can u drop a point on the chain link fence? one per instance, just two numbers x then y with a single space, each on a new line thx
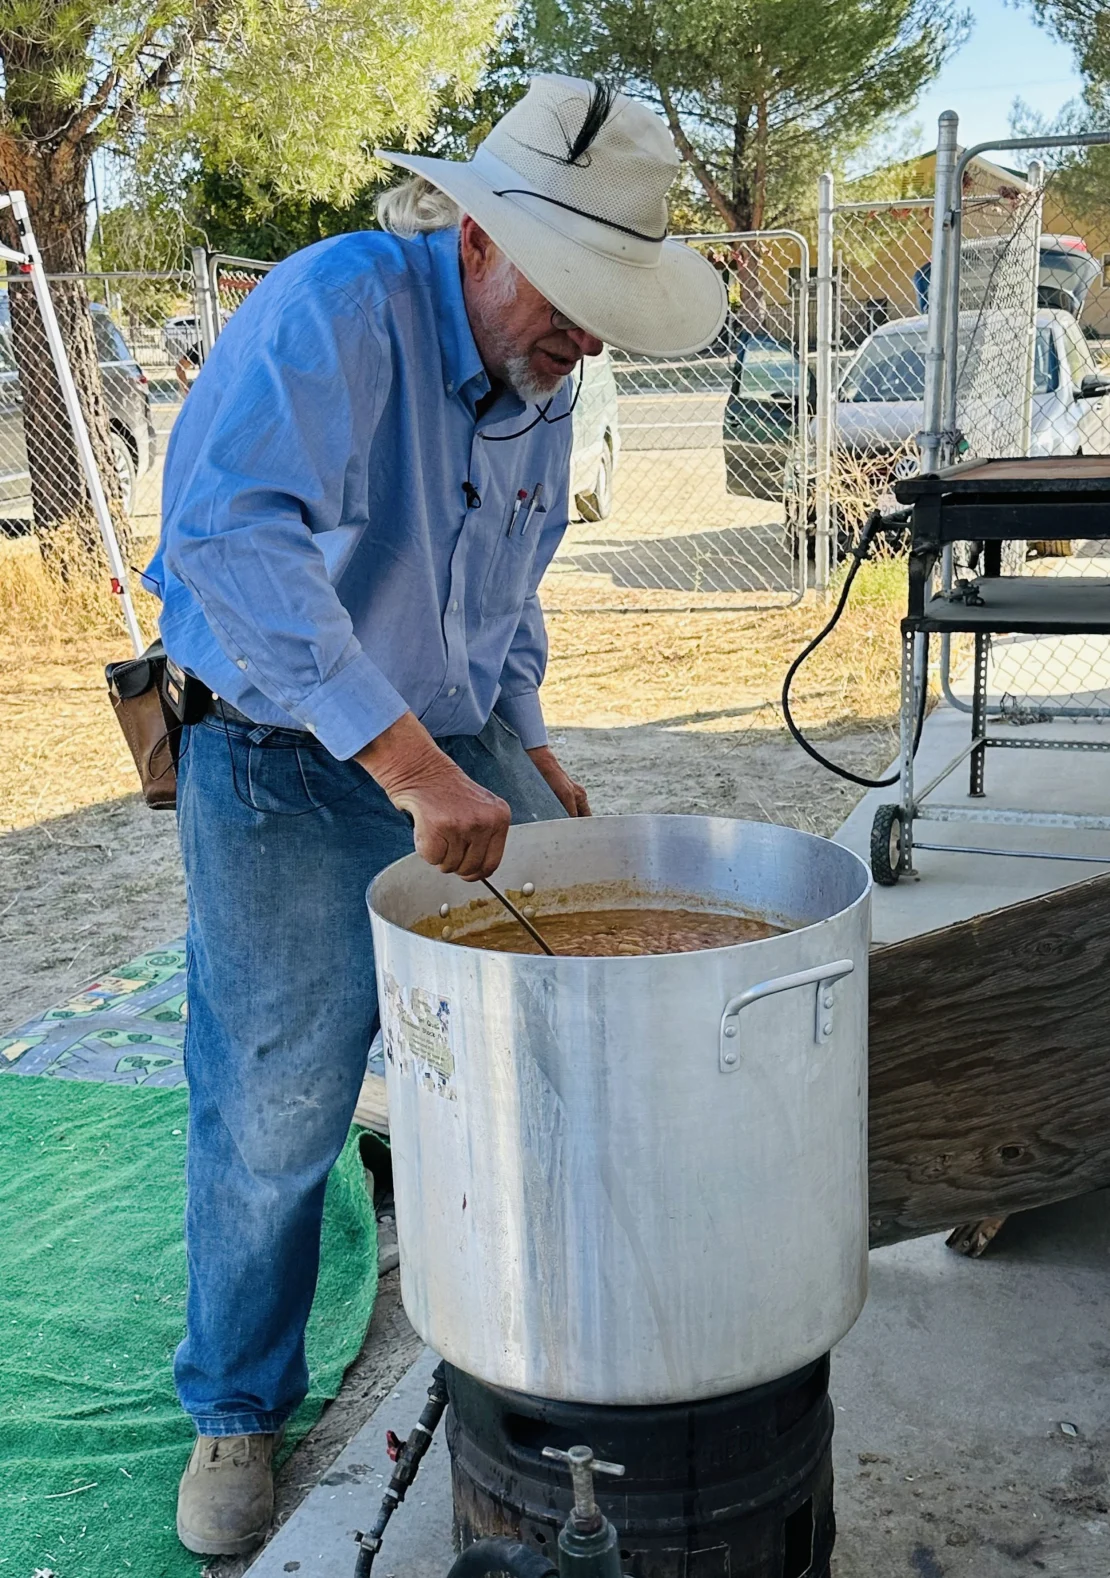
1060 408
880 285
694 484
143 326
684 470
229 281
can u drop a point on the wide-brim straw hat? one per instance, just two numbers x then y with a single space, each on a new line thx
572 186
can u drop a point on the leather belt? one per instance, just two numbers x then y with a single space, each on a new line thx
218 708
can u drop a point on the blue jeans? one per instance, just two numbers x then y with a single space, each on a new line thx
280 842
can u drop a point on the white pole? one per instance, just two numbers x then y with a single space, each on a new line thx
208 313
825 391
1035 178
941 269
76 416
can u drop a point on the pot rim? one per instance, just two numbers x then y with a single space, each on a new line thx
396 872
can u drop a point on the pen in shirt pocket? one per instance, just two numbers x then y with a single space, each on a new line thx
522 494
533 507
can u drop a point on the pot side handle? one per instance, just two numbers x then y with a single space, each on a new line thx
823 976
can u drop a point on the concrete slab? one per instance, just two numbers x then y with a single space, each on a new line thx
953 887
318 1540
951 1393
973 1397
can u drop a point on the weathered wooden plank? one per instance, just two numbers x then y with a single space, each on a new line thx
372 1111
990 1064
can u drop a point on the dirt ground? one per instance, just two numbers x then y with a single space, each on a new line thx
97 879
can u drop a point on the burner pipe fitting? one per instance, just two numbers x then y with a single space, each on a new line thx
409 1457
595 1554
501 1556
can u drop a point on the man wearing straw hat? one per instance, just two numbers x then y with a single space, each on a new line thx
361 496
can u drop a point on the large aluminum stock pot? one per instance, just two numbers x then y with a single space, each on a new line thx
643 1179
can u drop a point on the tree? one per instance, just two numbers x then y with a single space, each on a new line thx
238 211
1080 175
294 92
760 95
1084 25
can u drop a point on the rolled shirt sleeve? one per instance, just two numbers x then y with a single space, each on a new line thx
271 477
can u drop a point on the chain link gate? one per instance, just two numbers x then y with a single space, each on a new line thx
1036 679
684 470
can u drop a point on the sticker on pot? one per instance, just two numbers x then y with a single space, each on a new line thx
416 1034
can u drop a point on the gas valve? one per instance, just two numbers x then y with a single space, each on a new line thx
588 1542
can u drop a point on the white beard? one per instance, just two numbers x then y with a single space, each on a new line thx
523 382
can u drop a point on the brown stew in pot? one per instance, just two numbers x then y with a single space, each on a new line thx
604 933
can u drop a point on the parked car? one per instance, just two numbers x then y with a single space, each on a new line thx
880 410
1066 271
596 442
761 416
126 394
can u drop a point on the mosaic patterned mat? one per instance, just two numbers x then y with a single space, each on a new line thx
125 1028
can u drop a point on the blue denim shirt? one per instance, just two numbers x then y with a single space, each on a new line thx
318 565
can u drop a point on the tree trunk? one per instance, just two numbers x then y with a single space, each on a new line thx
748 255
53 180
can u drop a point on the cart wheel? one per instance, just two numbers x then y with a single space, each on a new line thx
886 845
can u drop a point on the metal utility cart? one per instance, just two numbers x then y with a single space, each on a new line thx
990 502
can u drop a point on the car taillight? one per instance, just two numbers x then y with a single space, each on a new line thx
143 379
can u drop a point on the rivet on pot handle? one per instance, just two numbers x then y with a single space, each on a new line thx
823 976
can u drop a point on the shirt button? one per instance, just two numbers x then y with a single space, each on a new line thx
240 662
453 691
455 606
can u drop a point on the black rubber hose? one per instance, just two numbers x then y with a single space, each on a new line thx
859 554
501 1556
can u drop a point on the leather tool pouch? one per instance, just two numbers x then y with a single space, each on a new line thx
135 688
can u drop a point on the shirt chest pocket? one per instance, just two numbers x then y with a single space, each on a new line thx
510 568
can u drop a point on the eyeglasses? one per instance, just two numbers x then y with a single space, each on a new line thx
559 320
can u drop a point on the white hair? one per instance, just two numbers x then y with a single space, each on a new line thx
501 282
416 207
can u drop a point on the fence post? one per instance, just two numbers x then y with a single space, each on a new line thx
208 320
1035 177
825 389
17 202
940 273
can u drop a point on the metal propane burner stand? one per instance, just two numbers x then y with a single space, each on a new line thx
990 502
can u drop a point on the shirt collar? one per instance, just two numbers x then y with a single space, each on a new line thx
462 366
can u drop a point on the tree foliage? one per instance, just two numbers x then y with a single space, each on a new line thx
1084 25
234 208
1081 176
294 93
760 95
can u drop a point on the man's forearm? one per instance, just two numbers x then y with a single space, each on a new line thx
402 756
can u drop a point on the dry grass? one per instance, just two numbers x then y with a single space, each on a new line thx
60 746
61 749
705 669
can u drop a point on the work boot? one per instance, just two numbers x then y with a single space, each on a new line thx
226 1497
